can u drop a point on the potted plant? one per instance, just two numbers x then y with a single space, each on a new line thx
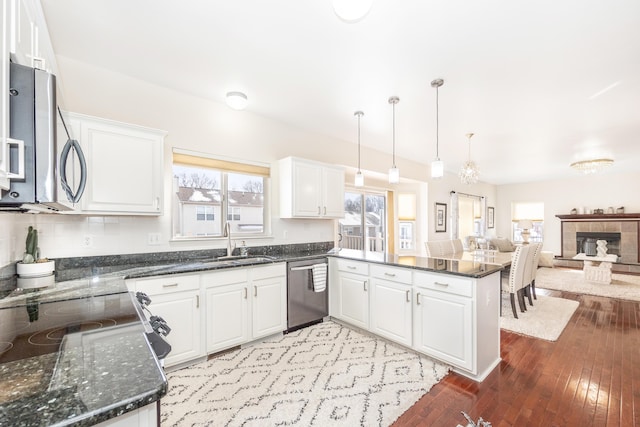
32 265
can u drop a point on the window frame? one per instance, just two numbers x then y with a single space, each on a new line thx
224 166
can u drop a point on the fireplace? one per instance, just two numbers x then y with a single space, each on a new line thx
585 242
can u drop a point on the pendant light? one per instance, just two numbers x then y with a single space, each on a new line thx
352 11
394 172
359 181
237 100
469 172
437 166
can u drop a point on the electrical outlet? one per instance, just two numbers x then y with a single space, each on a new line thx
87 241
153 238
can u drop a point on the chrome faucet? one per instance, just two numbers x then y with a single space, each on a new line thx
227 234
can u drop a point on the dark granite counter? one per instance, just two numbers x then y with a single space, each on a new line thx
74 354
474 269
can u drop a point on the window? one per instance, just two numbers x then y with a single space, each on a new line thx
523 213
406 220
205 188
233 214
406 235
204 213
364 230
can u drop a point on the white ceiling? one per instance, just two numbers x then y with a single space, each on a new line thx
541 84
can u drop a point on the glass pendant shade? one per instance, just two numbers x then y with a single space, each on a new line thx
394 175
359 181
469 172
437 169
237 100
352 11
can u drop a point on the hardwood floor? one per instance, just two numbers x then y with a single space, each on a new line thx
589 377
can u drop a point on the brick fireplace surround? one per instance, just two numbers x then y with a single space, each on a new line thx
628 225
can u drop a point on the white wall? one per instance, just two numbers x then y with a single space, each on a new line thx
560 196
192 123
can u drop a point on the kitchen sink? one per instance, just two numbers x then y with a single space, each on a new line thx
242 260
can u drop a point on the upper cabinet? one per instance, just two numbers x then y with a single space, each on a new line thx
310 189
124 164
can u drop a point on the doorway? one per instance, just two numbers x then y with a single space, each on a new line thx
364 229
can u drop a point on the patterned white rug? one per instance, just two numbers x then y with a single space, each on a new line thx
323 375
546 319
623 286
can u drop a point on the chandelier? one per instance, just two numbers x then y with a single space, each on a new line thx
591 166
469 172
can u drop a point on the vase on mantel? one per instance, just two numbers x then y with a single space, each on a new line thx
601 248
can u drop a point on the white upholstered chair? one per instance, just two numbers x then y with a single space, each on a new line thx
534 269
514 284
456 245
439 248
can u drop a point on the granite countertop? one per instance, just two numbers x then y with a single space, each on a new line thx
77 355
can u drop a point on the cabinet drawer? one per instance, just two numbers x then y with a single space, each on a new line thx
353 267
167 284
272 270
224 277
445 283
394 274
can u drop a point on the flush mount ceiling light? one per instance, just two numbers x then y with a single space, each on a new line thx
359 181
469 172
351 11
237 100
437 166
591 166
394 172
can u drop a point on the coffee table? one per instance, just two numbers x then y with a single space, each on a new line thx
597 269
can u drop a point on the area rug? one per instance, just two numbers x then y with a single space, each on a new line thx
623 286
323 375
545 319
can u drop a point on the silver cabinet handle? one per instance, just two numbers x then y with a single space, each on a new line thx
170 285
390 274
441 284
351 267
408 295
255 291
325 210
364 285
197 301
318 210
418 298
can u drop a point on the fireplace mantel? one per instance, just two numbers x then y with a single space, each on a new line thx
601 217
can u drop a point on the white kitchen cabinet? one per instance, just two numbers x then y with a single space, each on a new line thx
5 27
391 303
147 416
310 189
350 290
30 44
227 318
444 327
269 301
244 304
176 298
124 164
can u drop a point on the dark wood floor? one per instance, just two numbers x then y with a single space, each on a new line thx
589 377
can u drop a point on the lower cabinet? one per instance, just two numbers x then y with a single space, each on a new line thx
141 417
443 327
227 319
244 304
350 285
391 310
176 298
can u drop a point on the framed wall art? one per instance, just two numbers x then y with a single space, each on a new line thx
490 217
441 217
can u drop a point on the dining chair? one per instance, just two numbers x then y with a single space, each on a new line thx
515 282
528 273
534 270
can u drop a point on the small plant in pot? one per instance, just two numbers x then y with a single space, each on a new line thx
32 265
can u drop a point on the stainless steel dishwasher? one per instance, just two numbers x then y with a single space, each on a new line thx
305 306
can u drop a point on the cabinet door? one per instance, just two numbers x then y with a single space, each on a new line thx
124 164
227 316
269 306
353 299
307 189
181 310
391 311
333 192
443 327
23 33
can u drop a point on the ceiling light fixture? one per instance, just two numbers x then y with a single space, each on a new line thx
469 172
359 181
437 166
352 11
394 172
237 100
591 166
